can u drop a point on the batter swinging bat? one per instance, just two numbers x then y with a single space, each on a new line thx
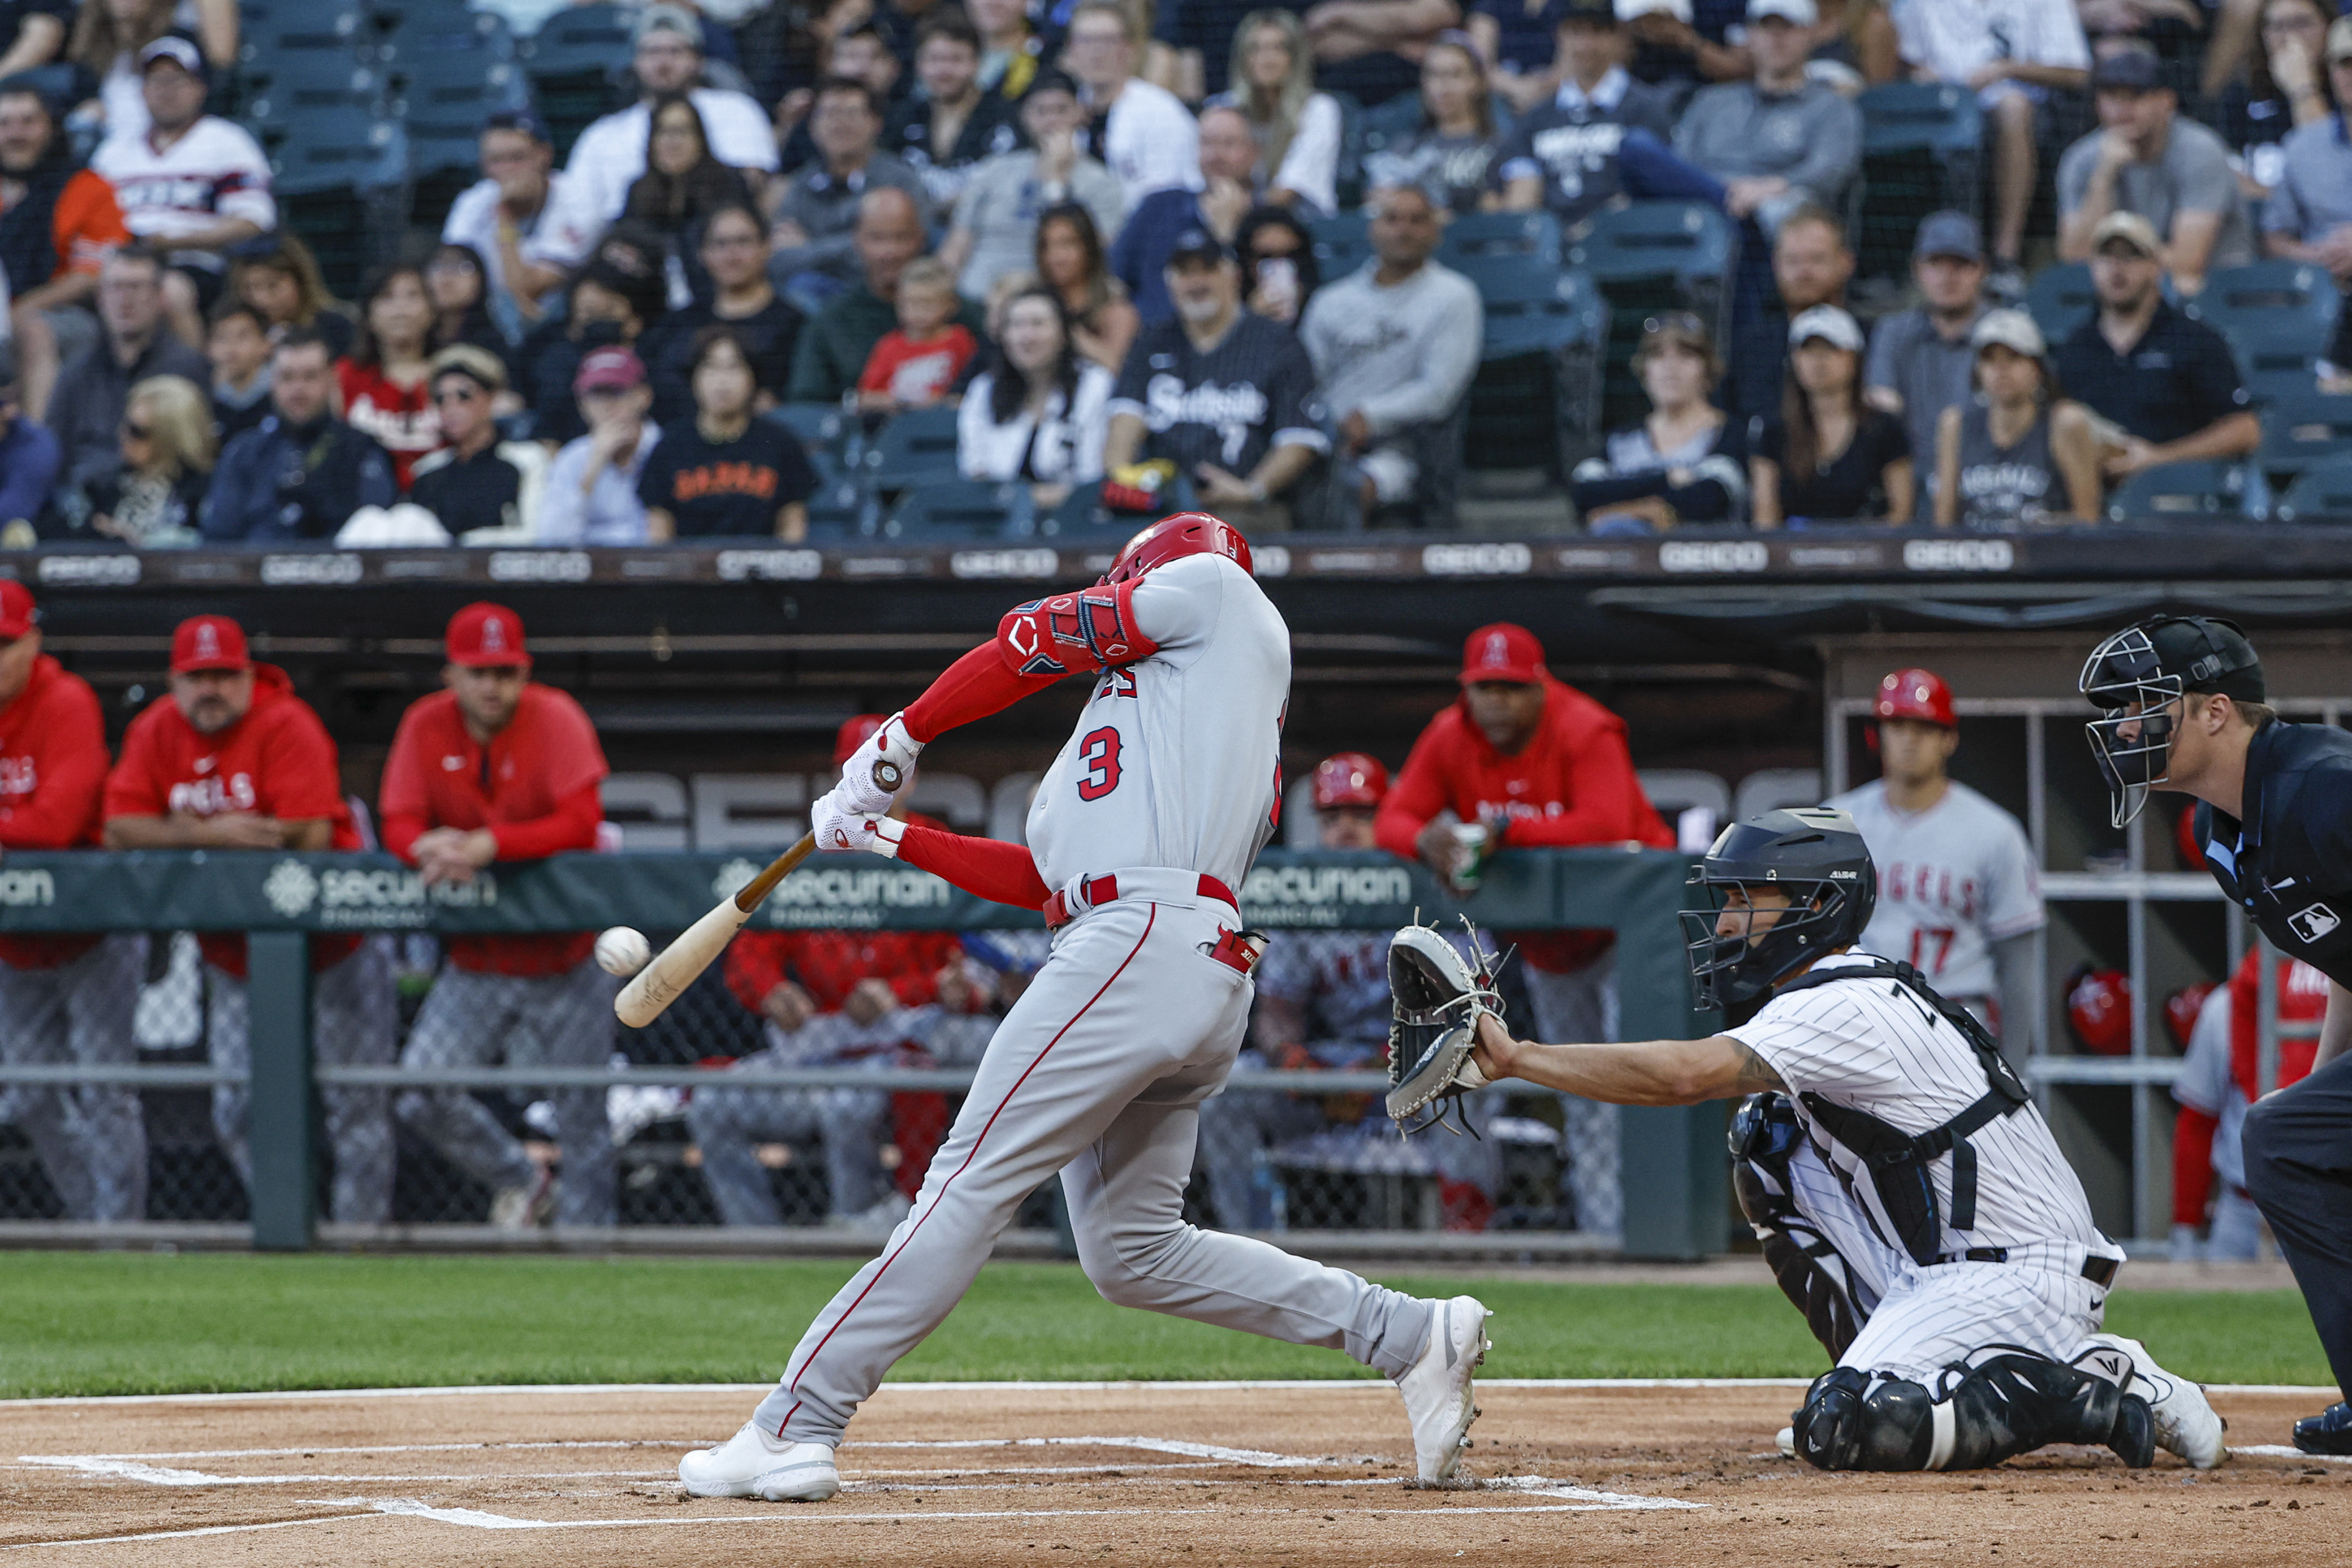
663 980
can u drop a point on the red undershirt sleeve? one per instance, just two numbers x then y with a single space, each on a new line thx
570 826
986 868
974 687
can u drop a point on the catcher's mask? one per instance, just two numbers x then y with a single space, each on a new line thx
2135 677
1741 946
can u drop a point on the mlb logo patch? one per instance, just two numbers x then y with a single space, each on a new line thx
2313 922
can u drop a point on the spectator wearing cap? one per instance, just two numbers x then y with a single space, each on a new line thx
592 486
838 339
1921 360
951 122
497 768
1524 760
1394 345
2147 158
474 481
994 229
1685 463
616 299
2013 54
133 344
1141 132
1223 396
65 999
58 220
230 758
505 215
611 154
1810 265
816 218
1828 456
302 472
1217 202
2014 455
192 184
2309 215
29 462
2167 383
1782 141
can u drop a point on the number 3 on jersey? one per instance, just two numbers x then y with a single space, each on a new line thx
1099 752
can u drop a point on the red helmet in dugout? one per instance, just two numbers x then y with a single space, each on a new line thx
1173 538
1350 779
1916 694
854 734
2098 1010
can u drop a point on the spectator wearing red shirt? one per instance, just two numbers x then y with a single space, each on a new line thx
232 760
64 999
1537 763
386 382
831 998
58 220
498 768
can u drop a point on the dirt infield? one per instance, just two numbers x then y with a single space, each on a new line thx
1187 1474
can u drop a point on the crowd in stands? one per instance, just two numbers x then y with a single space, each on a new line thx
1189 253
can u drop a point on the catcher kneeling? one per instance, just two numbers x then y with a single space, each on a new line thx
1910 1198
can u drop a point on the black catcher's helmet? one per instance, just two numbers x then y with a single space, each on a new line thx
1815 855
2134 676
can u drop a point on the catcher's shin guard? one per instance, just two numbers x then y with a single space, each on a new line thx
2006 1403
1764 1134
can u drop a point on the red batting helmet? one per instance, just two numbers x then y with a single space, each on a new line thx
854 734
1172 538
2098 1009
1350 779
2180 1011
1916 694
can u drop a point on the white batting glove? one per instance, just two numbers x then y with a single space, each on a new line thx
890 744
839 828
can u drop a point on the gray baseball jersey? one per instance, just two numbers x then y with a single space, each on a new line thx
1952 881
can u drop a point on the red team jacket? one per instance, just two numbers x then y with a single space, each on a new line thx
1572 784
277 761
2302 999
534 787
828 965
52 781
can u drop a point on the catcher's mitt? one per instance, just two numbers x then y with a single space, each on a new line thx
1437 998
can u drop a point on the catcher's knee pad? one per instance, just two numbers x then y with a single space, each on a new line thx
1856 1420
1765 1133
2007 1402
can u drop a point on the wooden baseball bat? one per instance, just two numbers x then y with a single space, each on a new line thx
666 976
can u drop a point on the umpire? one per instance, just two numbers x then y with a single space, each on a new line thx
2182 699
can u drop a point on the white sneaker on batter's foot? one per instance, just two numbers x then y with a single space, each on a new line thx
1438 1397
752 1464
2186 1424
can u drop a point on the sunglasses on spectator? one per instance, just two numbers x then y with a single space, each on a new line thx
138 432
457 394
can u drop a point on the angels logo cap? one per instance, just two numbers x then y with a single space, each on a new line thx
1502 652
484 636
209 643
17 614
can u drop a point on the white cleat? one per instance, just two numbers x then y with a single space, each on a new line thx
1438 1396
1786 1441
752 1464
2186 1424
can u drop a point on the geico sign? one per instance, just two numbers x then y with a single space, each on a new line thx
1959 555
1476 560
1713 555
19 888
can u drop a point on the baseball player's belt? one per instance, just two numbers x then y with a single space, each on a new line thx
2100 1272
1082 894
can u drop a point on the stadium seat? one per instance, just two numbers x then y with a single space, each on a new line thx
1538 384
916 447
2323 493
2200 492
2278 356
2281 296
2060 300
1341 244
574 62
2302 430
341 183
1920 153
826 433
1474 236
839 510
1081 511
276 33
1687 241
949 510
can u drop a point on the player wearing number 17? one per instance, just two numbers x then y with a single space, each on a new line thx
1140 830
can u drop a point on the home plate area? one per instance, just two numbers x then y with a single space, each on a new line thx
1018 1473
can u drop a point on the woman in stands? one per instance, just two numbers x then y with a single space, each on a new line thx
683 184
461 287
1450 152
1039 412
2286 86
724 473
1828 456
1681 465
2016 455
385 380
1272 79
1070 258
1278 270
166 441
278 276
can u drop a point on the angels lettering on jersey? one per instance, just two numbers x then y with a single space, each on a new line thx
18 779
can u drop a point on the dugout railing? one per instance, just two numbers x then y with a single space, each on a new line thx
1675 1191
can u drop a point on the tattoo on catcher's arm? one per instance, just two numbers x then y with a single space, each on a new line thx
1756 1074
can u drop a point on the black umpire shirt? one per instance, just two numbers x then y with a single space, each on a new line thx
2289 864
2177 380
1253 391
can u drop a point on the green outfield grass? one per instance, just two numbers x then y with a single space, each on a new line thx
118 1324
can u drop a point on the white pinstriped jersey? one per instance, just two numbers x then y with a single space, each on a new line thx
1175 761
1952 881
1875 1046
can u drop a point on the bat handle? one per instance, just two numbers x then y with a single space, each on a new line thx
886 777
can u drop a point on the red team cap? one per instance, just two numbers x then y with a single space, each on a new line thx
1502 652
486 636
854 734
1916 694
1350 779
209 643
1175 537
17 613
609 369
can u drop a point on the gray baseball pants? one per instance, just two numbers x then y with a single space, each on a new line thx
1097 1072
91 1138
729 1124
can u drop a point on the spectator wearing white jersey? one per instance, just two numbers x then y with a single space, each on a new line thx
191 184
1142 133
1958 894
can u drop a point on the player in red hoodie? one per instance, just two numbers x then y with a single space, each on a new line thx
1535 763
64 999
232 760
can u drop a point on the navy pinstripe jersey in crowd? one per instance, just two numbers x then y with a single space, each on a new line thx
1229 405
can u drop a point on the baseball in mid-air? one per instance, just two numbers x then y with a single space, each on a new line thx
623 950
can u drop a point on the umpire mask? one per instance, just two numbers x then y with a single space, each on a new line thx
2136 675
1739 948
